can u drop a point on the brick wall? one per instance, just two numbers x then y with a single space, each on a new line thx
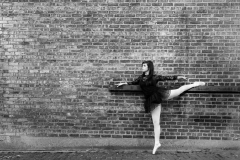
58 58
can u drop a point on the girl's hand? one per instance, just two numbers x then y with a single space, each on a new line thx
182 77
121 84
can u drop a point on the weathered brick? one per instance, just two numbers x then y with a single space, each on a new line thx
65 61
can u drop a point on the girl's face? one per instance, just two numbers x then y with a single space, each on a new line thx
144 67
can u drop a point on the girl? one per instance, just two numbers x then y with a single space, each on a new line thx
154 94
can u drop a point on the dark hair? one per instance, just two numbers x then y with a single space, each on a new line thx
151 72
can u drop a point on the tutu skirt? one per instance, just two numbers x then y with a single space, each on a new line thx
161 94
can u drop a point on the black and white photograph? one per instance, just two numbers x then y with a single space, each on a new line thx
119 79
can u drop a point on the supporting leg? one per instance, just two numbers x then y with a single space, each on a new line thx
177 92
156 123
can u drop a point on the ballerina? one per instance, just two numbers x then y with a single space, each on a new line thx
155 94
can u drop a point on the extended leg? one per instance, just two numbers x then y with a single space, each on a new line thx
156 123
177 92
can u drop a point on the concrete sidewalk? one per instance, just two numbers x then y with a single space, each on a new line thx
113 153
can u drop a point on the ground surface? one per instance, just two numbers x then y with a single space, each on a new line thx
124 154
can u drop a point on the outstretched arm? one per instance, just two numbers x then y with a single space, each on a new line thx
164 78
182 77
135 82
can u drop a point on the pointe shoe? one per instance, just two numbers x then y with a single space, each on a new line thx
199 83
156 146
